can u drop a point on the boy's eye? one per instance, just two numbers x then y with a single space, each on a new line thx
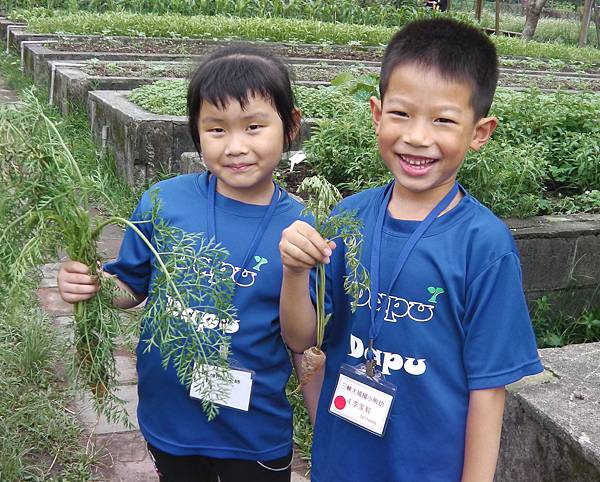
399 113
444 120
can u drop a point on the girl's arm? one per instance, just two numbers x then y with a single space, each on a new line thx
482 437
75 284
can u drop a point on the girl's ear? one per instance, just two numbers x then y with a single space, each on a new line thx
297 118
482 132
376 106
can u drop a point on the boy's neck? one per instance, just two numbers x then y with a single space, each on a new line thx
415 206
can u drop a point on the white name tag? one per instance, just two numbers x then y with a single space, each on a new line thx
207 386
361 404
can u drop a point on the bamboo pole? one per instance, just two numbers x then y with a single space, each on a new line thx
585 22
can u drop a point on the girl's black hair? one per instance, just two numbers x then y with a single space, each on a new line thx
238 72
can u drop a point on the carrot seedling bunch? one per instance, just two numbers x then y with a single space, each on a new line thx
344 226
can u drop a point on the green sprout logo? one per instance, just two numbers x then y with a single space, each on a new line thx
435 292
259 262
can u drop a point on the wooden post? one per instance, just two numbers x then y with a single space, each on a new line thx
497 17
478 9
585 22
597 12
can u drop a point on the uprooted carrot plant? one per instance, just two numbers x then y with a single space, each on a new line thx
344 226
45 201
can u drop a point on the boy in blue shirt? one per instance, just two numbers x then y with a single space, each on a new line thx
414 379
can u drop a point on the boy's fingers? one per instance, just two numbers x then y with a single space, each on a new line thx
297 257
302 248
310 233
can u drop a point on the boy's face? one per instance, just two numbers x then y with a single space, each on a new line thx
425 126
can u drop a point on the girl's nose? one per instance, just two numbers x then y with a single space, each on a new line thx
236 146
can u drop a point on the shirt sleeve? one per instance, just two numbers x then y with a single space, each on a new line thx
500 346
133 265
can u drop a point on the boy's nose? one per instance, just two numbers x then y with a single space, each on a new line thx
417 134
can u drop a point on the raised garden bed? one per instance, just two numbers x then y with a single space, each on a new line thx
36 57
72 83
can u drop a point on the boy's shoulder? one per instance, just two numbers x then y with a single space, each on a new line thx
485 236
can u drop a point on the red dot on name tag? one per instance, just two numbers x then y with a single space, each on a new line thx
339 402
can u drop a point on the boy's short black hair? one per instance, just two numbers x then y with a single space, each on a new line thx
238 72
455 49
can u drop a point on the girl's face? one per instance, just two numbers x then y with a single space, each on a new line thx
242 147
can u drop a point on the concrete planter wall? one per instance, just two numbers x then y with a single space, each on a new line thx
551 430
144 143
560 256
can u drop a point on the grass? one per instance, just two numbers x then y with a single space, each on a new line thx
554 330
39 437
277 30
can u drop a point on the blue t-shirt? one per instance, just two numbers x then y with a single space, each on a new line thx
455 320
169 419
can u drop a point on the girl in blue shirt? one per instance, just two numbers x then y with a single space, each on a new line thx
242 117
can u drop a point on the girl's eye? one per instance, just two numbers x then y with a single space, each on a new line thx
254 127
217 130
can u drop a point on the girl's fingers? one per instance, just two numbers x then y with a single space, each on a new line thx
75 267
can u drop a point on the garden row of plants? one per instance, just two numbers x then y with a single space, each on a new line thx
320 70
264 29
388 14
542 159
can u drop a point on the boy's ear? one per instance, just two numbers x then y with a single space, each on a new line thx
376 106
482 132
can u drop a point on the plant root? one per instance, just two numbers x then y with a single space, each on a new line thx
313 360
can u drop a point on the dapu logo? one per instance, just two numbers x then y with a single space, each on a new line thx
435 292
259 262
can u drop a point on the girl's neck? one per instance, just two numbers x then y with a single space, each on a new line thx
259 194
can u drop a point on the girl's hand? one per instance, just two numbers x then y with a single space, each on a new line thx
302 247
75 283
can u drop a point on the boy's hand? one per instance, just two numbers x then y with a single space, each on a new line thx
75 283
302 247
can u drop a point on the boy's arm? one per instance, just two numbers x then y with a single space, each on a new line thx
301 248
482 437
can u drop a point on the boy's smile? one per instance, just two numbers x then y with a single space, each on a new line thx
425 126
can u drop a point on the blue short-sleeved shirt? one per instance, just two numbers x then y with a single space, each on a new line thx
456 320
169 419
